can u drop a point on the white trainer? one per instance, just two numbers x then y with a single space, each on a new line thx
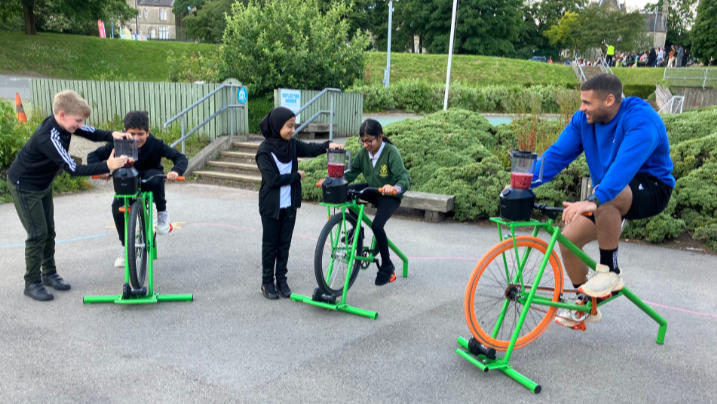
603 282
163 226
119 262
567 318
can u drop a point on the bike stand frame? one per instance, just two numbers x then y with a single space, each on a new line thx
353 255
151 297
503 364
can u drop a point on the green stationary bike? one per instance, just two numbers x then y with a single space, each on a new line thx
340 253
516 289
139 238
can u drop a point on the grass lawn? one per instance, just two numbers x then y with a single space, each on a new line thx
472 70
85 58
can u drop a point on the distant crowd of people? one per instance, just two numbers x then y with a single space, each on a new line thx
677 56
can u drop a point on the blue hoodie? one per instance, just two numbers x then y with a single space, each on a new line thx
634 141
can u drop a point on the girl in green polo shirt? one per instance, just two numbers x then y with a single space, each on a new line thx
382 165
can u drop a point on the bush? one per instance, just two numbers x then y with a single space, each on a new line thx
375 98
194 67
259 107
690 125
638 90
278 44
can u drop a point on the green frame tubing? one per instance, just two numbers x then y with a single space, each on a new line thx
343 306
151 297
503 364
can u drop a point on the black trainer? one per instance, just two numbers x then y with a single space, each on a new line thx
385 274
269 291
284 290
55 281
38 292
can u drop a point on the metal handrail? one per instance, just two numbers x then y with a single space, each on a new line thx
316 115
705 77
579 69
680 99
183 115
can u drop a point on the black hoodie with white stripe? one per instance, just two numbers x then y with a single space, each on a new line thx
40 160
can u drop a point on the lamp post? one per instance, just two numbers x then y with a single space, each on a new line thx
450 53
387 72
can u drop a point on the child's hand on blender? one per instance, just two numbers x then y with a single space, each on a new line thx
336 146
114 163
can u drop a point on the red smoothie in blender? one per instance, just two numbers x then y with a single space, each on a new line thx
336 170
521 180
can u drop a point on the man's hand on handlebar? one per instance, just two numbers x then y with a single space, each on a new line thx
573 210
114 163
172 175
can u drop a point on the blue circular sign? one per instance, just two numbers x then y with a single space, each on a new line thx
241 95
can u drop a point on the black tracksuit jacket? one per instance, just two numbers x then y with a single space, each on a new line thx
40 160
149 158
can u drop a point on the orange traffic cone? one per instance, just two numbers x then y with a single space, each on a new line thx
19 111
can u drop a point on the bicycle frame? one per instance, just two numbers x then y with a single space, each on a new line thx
352 255
502 364
146 199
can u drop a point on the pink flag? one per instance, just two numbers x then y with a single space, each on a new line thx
101 27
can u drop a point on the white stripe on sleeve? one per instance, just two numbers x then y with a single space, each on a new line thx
88 128
55 138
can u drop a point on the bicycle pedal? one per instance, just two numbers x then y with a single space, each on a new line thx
579 326
393 278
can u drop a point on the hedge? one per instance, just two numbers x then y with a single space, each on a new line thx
457 152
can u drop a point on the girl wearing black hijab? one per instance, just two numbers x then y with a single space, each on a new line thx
280 194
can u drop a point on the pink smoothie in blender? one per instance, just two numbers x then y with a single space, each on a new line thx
522 169
336 170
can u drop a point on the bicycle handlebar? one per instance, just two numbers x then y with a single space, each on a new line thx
180 178
553 212
359 193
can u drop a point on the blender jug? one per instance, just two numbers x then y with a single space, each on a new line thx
523 169
127 148
337 162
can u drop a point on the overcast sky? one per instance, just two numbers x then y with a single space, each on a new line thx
637 4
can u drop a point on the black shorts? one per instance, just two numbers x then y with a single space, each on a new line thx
650 197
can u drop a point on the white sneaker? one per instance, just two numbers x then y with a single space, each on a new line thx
163 225
569 318
119 262
603 282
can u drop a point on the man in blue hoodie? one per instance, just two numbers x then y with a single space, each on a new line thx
628 154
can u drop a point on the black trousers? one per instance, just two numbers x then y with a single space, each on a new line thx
275 245
156 186
37 215
386 207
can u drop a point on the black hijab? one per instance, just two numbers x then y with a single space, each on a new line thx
271 130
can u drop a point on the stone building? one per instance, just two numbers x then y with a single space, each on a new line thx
655 22
155 19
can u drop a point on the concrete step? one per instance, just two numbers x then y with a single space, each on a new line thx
233 167
240 178
239 157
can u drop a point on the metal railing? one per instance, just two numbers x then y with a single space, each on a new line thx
697 77
332 91
578 69
674 105
183 115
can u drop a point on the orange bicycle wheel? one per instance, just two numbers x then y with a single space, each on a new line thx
491 293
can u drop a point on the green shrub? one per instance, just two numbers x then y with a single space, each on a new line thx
638 90
657 228
652 97
194 67
375 98
258 108
278 44
692 154
690 125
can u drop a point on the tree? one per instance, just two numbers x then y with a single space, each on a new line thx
564 34
680 19
207 24
704 32
539 17
483 27
79 11
291 45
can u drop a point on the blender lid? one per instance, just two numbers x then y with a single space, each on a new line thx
523 154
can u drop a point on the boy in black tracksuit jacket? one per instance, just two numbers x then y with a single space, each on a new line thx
280 194
30 181
149 163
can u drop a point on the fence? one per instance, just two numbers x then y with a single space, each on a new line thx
689 77
113 99
348 108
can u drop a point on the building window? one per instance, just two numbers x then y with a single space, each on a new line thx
145 13
163 32
163 15
152 33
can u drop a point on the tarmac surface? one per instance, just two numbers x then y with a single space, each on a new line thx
231 345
